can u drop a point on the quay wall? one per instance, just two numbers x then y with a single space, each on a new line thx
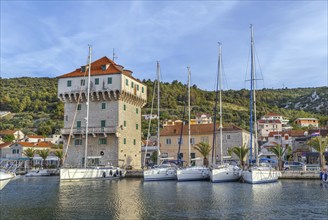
300 175
284 175
134 174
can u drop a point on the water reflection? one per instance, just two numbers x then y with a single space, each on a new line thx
119 199
47 198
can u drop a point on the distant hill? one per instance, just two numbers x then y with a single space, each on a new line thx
37 109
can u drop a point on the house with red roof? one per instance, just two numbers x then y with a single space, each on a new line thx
170 137
18 134
16 150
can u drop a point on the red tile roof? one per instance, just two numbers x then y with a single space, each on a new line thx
6 132
5 144
43 144
269 121
292 133
35 136
272 114
96 69
195 129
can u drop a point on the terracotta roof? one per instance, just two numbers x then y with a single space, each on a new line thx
5 132
96 69
292 133
35 136
39 144
272 114
6 144
269 121
195 129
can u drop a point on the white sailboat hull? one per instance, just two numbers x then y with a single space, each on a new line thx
228 173
160 174
256 175
5 178
91 173
193 173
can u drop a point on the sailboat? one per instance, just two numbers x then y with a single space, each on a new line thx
90 172
256 174
222 172
164 170
191 172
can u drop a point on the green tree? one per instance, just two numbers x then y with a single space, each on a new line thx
154 157
29 152
320 144
60 155
204 149
241 152
44 154
8 138
279 151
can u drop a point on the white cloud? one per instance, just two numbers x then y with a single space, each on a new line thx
42 38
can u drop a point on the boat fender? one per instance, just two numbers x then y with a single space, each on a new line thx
116 172
114 175
110 172
120 172
104 174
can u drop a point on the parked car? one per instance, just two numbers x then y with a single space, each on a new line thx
293 165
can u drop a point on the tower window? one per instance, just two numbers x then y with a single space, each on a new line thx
109 80
69 83
103 105
96 81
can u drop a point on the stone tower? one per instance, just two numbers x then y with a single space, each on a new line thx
116 99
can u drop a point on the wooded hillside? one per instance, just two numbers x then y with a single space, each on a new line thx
36 107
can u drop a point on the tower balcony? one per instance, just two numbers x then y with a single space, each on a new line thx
91 130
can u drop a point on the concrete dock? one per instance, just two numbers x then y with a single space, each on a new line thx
297 174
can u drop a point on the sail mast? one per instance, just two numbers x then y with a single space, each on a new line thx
220 85
87 103
215 111
254 97
158 106
189 163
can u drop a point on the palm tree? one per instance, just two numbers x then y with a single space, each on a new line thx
29 152
320 144
279 152
204 149
60 155
43 154
241 152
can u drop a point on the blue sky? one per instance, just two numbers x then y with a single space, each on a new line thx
50 38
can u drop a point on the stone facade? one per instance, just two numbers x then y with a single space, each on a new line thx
114 128
170 135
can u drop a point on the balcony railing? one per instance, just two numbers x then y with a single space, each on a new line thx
95 130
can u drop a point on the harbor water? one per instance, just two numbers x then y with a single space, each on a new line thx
131 198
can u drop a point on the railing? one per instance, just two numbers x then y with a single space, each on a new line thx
107 130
